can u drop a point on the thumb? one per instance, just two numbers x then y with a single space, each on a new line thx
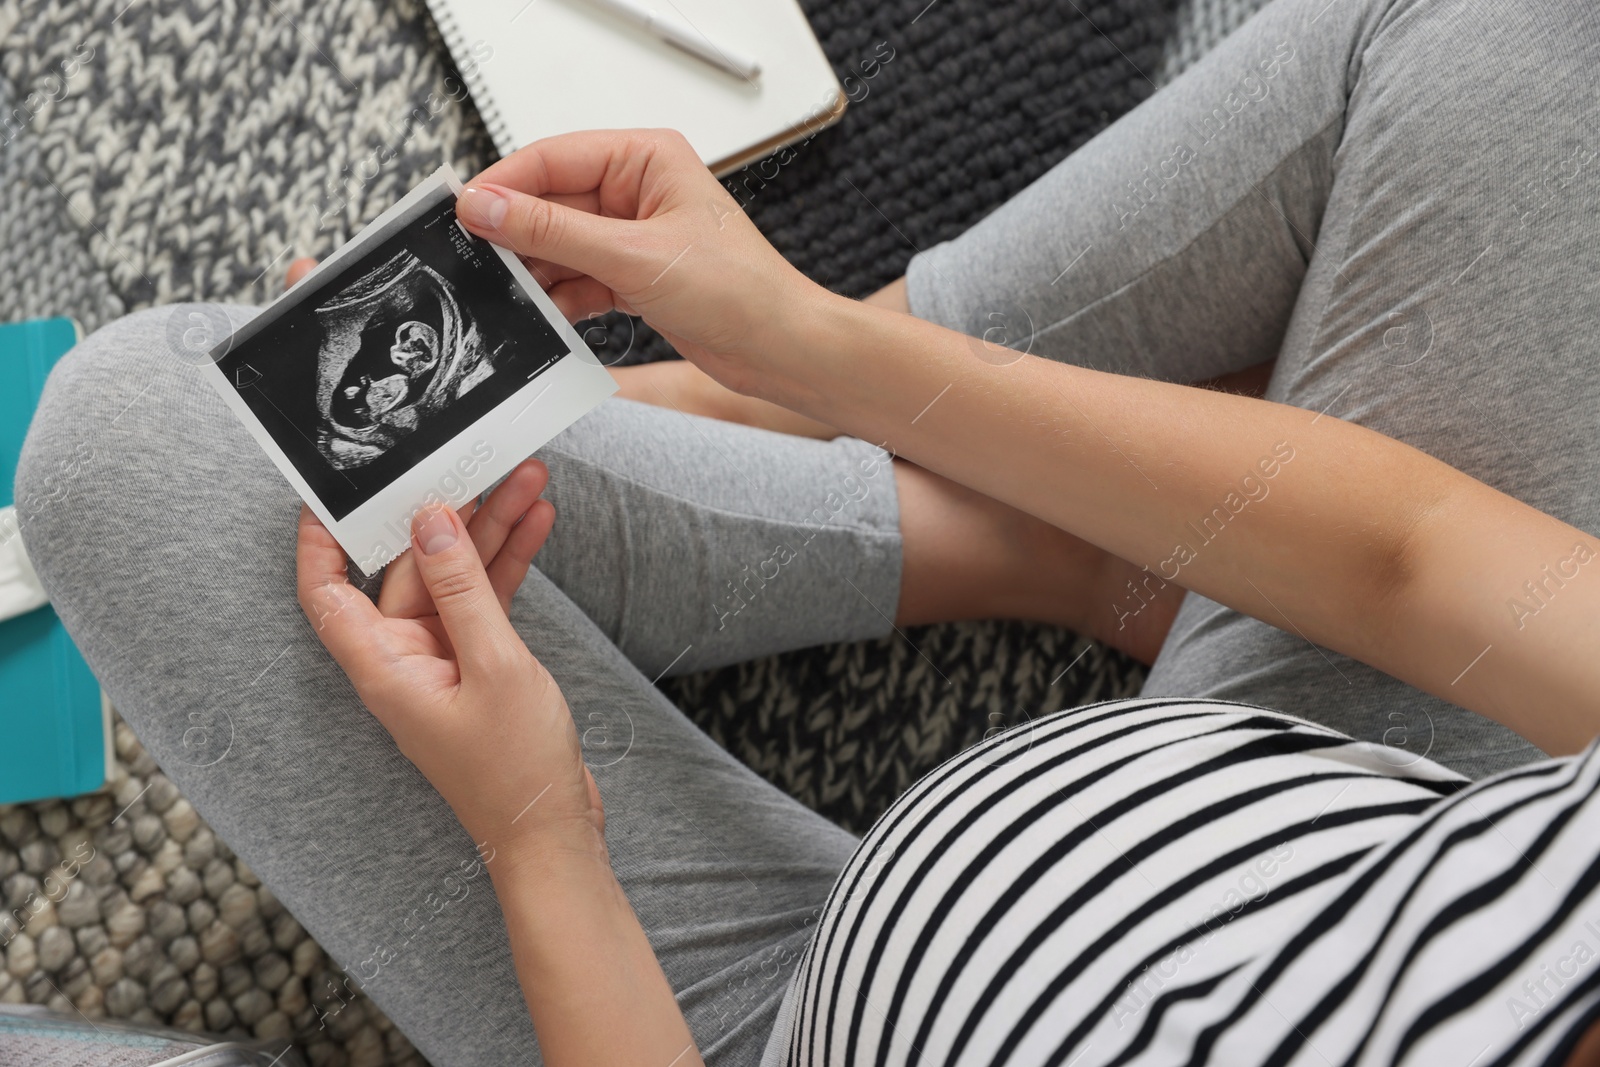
448 563
538 229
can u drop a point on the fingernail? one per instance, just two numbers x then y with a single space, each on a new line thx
482 205
434 532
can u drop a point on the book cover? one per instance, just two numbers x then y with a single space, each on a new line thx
52 717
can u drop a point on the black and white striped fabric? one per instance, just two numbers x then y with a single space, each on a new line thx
1196 882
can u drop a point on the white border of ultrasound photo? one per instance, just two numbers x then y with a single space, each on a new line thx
378 530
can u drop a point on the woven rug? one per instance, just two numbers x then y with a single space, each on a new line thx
164 150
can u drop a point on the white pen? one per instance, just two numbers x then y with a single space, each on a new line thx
682 36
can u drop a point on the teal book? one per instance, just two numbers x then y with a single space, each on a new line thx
54 723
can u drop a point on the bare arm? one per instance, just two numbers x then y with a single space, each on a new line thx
593 987
1314 525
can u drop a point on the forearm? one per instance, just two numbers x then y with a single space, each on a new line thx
1502 615
1311 524
1226 495
594 988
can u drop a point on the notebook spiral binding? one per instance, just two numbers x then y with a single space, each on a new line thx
445 20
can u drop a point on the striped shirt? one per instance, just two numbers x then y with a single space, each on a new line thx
1186 882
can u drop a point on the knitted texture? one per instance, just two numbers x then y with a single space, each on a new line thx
46 266
1199 25
189 150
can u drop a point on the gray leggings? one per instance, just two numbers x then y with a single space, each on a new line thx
1395 197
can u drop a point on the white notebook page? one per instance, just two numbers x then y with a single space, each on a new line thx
563 65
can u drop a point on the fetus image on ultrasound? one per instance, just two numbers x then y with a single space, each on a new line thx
398 349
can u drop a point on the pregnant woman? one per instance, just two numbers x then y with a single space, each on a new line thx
480 786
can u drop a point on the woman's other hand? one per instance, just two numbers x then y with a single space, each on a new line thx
437 661
632 219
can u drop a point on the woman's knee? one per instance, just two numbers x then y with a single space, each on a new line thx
126 412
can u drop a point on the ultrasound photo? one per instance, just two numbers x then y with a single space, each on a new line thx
409 337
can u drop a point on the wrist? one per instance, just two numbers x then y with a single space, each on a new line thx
812 344
555 826
549 854
594 989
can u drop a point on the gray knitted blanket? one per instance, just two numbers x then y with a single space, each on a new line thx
166 150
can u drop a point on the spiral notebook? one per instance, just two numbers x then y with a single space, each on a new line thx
536 68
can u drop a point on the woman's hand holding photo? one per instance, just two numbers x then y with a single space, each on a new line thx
633 220
437 662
